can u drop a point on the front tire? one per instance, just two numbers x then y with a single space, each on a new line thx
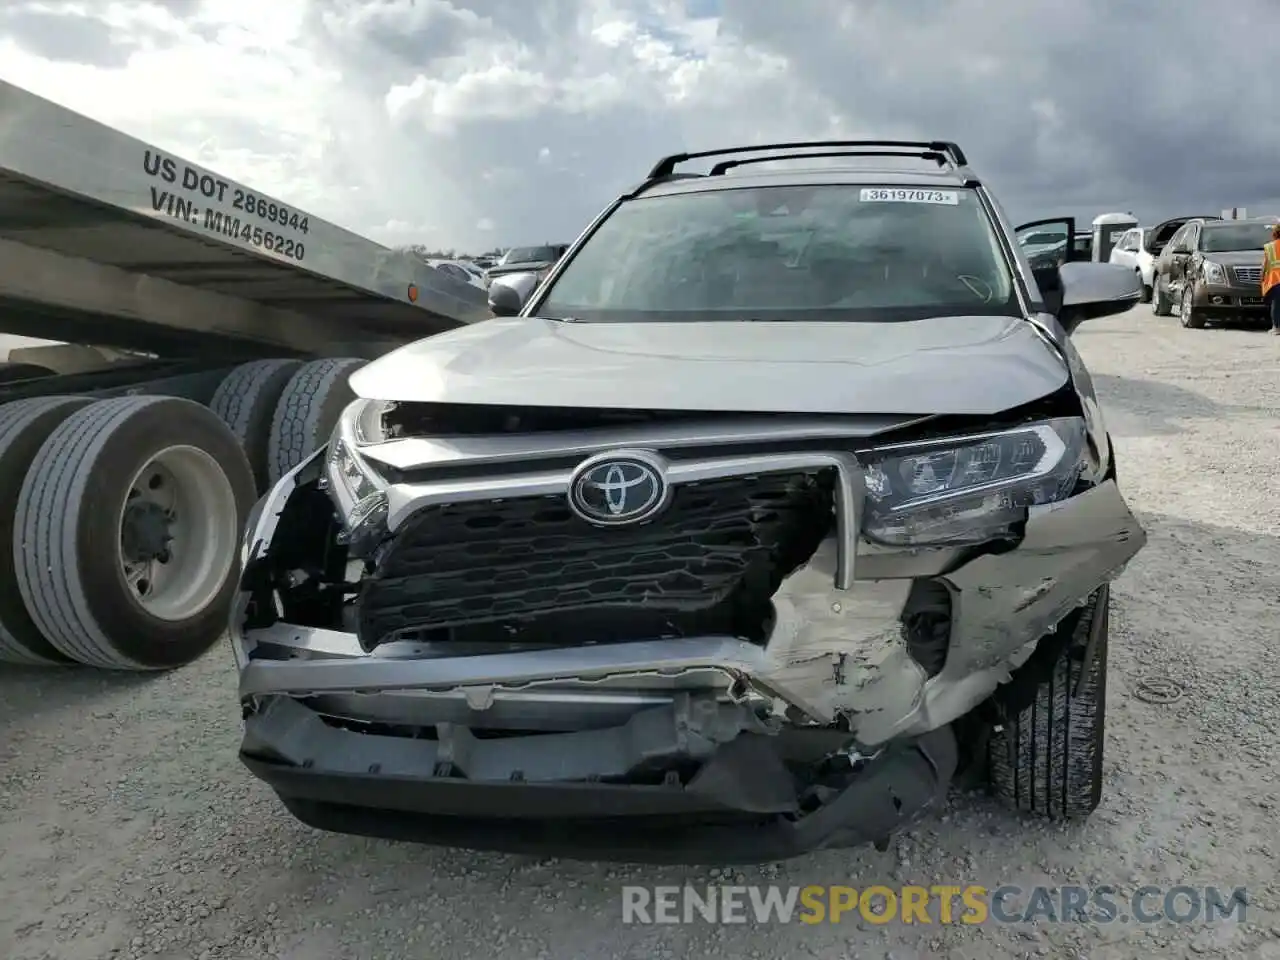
1188 316
1045 757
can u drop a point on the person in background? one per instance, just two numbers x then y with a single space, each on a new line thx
1271 278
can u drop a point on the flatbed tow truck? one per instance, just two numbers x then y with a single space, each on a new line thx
203 337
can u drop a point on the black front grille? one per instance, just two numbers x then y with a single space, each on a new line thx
528 571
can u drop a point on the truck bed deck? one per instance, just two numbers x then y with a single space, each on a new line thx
106 239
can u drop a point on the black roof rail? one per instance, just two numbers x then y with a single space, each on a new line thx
667 165
725 165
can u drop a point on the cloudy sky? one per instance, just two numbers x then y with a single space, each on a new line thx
472 123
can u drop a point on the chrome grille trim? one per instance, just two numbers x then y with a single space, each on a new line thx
1247 274
412 453
404 499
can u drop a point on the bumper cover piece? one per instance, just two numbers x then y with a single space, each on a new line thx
741 806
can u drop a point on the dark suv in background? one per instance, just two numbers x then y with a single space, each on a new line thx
1212 270
535 260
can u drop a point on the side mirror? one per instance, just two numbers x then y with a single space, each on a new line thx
504 301
1093 290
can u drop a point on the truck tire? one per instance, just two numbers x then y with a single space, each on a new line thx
246 401
308 410
1046 758
127 533
24 427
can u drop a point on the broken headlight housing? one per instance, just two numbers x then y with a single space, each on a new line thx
970 489
354 486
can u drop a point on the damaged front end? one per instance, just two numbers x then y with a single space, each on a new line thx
672 637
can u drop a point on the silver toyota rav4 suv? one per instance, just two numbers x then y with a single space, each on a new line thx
782 501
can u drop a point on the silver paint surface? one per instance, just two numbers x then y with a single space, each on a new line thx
956 365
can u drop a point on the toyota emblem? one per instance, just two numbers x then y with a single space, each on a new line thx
612 490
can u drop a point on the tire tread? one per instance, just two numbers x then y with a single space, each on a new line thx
14 418
1047 760
239 401
300 424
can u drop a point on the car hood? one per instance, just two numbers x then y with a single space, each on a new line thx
962 365
1237 258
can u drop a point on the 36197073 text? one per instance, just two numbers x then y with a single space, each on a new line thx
210 203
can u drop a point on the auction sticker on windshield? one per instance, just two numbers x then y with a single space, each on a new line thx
898 195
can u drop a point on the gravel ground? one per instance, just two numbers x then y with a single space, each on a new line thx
129 829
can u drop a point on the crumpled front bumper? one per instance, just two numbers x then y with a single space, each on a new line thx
1233 298
666 749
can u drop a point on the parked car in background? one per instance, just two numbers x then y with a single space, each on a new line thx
537 260
1131 251
1158 239
461 270
1212 270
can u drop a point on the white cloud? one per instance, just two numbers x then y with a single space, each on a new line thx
471 122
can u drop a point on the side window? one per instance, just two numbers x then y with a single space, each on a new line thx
1177 241
1130 242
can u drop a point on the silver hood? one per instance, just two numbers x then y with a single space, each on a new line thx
957 365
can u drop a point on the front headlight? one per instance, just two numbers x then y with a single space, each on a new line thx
1214 272
973 489
354 486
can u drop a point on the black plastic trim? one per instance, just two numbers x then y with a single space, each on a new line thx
599 821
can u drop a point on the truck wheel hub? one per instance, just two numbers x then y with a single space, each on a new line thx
146 532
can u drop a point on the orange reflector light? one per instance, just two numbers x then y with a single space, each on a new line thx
413 293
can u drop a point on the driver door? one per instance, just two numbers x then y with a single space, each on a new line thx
1061 229
1045 258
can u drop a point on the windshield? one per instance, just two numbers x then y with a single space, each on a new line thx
826 252
1237 236
529 255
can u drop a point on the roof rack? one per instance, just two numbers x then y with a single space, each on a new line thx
726 165
667 165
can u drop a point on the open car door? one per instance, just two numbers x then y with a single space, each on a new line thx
1163 232
1048 243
